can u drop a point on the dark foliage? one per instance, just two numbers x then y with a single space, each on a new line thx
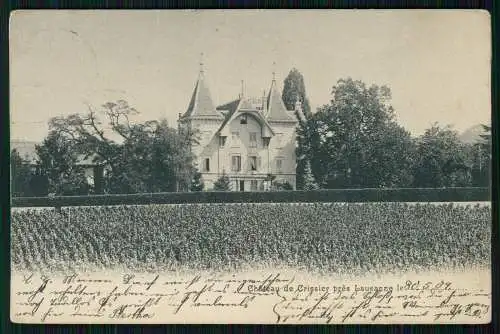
331 195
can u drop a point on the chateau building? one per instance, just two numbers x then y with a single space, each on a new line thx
251 140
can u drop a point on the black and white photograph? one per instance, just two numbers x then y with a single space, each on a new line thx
250 166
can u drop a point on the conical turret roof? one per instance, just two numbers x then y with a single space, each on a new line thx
201 103
276 110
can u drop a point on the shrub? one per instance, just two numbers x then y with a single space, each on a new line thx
223 183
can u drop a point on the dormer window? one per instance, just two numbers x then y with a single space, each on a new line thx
265 141
243 119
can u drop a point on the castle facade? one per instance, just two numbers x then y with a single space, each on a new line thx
251 140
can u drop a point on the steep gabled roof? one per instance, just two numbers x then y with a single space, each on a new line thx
201 101
229 107
241 104
276 110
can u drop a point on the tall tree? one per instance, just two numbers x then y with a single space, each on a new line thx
442 160
486 136
155 160
294 90
57 161
359 143
308 179
139 157
88 136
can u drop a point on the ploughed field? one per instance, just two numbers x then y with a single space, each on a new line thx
329 237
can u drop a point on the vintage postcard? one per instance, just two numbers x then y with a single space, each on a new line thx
250 166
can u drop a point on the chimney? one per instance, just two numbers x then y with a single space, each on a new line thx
264 102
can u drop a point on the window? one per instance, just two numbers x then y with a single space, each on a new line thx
222 141
236 163
279 164
252 160
206 165
240 185
243 119
235 139
253 139
253 185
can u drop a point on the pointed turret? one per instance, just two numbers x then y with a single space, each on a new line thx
276 110
201 104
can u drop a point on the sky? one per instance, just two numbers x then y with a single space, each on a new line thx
436 62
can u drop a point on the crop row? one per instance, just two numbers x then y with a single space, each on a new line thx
325 236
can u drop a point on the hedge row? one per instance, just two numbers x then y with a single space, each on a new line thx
331 195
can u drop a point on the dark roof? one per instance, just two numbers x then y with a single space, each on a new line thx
201 102
230 107
276 110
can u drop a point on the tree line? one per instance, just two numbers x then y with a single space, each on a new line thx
353 141
356 142
134 157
